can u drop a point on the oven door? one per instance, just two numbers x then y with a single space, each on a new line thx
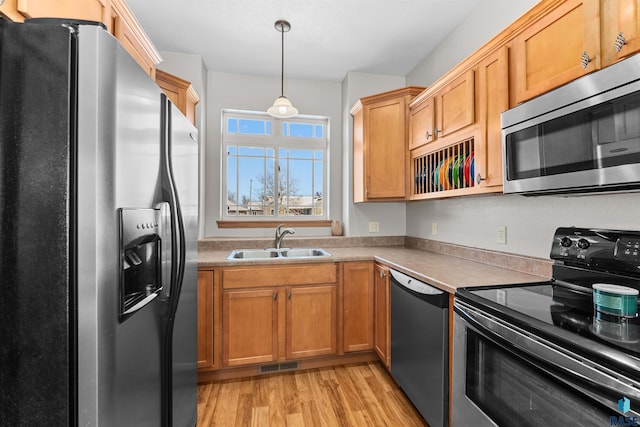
505 376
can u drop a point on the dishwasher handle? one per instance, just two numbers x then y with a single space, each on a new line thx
425 292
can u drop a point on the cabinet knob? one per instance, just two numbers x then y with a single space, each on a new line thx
383 274
289 295
584 59
479 179
438 131
275 295
428 135
620 41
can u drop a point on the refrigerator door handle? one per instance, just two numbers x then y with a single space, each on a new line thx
178 260
170 195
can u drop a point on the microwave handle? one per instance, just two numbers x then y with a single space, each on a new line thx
566 367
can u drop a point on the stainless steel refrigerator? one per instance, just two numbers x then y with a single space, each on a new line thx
98 223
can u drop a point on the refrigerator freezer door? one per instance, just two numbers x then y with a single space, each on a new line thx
36 257
184 164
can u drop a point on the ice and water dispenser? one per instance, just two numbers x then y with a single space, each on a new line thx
141 255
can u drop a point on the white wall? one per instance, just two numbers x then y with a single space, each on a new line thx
487 20
530 221
258 93
356 217
192 69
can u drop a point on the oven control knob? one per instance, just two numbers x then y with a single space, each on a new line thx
566 242
583 243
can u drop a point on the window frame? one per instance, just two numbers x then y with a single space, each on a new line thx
276 140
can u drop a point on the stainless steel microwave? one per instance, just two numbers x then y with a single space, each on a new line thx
581 137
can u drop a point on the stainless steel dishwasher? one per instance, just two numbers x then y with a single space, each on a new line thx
420 345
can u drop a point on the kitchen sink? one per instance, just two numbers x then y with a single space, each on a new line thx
303 252
253 254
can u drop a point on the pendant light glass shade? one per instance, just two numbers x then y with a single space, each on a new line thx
282 107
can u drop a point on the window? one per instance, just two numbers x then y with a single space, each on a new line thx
274 168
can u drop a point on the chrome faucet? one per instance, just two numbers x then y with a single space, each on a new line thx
280 235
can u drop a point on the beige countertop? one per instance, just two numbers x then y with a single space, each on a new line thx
443 271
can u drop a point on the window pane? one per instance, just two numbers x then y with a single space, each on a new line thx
303 130
232 125
273 178
296 154
254 127
251 151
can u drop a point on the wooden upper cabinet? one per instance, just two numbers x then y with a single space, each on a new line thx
180 92
91 10
9 9
620 30
556 49
114 14
442 110
455 105
125 27
493 99
384 132
422 123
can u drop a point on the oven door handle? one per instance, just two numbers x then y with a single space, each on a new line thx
587 376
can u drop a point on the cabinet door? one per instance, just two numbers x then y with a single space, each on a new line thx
132 37
357 285
421 130
455 105
493 99
205 320
9 9
620 30
311 321
249 326
358 155
180 92
549 53
382 339
92 10
385 149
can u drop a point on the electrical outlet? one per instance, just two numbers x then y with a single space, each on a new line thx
434 228
374 226
501 235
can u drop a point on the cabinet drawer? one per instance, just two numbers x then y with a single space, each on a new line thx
260 276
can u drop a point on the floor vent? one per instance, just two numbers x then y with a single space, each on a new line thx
278 367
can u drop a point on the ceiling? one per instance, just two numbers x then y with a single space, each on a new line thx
328 38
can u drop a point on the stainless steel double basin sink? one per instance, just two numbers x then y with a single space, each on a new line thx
253 254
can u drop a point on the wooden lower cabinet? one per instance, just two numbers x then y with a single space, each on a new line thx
311 321
249 326
205 319
252 324
358 312
382 327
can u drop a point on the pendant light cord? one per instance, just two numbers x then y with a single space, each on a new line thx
282 68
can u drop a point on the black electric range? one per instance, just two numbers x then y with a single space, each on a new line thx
562 309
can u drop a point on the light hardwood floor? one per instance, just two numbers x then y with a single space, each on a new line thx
352 395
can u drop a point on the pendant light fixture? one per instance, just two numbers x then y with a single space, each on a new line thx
282 107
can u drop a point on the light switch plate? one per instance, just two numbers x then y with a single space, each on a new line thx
434 228
374 226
